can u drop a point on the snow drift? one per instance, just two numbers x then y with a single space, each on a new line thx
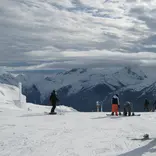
9 96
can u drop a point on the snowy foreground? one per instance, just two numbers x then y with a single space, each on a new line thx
26 131
31 133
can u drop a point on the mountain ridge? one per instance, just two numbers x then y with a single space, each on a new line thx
81 87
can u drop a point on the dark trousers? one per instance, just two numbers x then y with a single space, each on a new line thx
53 107
146 108
115 109
154 107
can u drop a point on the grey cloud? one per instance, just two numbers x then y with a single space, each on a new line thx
150 22
29 27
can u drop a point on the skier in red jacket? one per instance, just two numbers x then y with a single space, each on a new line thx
115 104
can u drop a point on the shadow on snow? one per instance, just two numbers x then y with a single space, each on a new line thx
35 114
142 150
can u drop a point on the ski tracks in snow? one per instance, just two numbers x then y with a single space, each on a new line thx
73 134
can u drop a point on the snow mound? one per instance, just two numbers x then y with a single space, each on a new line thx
9 96
9 99
41 108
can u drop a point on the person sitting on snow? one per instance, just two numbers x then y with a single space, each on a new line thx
128 108
115 104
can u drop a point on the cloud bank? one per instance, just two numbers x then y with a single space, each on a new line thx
37 34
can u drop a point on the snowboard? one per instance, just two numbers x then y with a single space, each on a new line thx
55 113
123 115
111 115
48 113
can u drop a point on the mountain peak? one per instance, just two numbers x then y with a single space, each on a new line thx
3 71
76 70
134 71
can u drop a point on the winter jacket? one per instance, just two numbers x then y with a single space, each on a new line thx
146 103
115 100
53 98
128 105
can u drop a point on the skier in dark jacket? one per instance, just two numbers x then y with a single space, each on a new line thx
154 106
146 105
53 100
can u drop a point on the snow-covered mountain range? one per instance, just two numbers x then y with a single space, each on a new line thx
81 88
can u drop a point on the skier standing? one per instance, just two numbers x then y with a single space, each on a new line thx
115 104
53 100
146 105
154 106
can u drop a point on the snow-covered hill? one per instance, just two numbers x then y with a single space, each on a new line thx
75 134
9 96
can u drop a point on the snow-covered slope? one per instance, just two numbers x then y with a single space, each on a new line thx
9 96
76 134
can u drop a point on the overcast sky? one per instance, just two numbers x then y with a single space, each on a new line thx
47 34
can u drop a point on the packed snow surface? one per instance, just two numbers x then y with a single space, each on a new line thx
74 134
